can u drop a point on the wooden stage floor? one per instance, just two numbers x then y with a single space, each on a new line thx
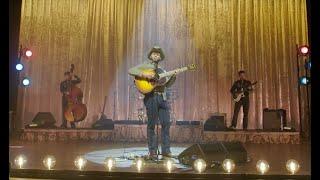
65 153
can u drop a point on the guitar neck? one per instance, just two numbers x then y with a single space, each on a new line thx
104 104
175 71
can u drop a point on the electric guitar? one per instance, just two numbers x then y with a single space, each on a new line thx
145 85
237 96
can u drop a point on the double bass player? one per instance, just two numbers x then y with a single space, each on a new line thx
65 86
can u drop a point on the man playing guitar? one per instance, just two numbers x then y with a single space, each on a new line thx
156 104
240 91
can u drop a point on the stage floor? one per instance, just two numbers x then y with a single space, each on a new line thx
95 152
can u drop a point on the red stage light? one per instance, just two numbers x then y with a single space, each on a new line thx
304 50
28 53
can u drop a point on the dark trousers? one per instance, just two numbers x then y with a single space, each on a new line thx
245 103
64 120
157 110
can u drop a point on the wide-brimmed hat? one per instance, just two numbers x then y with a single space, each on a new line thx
156 49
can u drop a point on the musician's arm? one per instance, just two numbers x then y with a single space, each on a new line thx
137 70
62 88
250 87
233 88
171 81
77 80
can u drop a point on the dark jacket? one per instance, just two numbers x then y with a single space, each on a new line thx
241 86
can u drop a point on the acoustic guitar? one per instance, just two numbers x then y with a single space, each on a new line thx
237 96
145 85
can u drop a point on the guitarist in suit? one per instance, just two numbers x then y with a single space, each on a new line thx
156 104
245 86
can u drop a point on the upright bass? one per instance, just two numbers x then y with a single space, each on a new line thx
75 111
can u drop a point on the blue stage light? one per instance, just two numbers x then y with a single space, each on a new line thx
308 65
26 81
19 67
304 80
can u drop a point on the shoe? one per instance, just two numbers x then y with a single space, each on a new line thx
73 126
63 126
167 155
152 156
232 128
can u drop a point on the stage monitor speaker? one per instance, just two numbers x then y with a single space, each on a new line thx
103 124
274 119
43 120
215 123
214 153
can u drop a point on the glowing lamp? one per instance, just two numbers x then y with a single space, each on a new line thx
20 161
199 165
304 80
26 81
49 162
262 166
228 165
109 163
304 50
28 53
169 164
139 163
19 67
80 162
292 166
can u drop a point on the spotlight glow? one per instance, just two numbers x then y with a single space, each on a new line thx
28 53
304 80
199 165
109 163
20 161
80 162
26 81
139 163
49 162
292 166
169 164
262 166
228 165
19 67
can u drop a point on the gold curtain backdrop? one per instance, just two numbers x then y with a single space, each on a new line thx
104 38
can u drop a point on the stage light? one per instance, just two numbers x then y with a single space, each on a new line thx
169 165
199 165
292 166
20 161
80 162
262 166
228 165
49 162
304 80
139 163
304 50
28 53
308 65
19 67
109 163
26 81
